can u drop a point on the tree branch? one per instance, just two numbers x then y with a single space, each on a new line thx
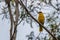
15 22
11 16
11 19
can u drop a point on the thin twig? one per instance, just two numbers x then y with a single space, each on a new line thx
52 4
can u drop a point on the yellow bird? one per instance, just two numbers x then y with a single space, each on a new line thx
41 20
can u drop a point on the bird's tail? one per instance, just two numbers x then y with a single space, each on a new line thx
40 29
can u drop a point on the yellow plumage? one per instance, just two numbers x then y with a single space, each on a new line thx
41 20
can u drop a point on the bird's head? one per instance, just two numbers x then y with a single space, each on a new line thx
40 12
